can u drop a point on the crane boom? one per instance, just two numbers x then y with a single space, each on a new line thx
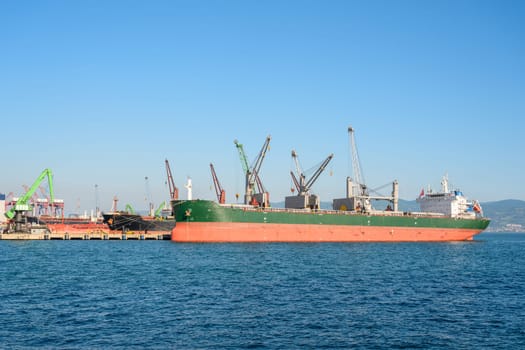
298 183
244 162
221 194
318 172
259 183
159 209
296 161
258 162
302 185
22 201
216 184
129 209
174 191
295 182
242 156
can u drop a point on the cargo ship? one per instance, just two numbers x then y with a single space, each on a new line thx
129 222
444 216
208 221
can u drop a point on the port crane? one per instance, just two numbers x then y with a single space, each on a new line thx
22 204
304 199
252 176
129 209
221 194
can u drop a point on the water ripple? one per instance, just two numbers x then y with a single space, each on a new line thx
134 295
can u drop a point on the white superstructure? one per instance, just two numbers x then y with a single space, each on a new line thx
189 188
450 203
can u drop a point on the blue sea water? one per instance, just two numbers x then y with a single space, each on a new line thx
159 294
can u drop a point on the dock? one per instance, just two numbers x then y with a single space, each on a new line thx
83 236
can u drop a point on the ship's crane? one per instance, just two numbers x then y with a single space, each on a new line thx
22 202
174 191
252 176
242 156
303 186
360 188
358 197
245 168
158 212
304 199
221 194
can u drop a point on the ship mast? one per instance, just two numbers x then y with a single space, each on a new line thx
444 184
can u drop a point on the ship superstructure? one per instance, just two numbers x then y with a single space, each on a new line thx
448 202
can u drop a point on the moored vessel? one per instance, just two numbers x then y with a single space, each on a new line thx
208 221
444 216
73 224
128 222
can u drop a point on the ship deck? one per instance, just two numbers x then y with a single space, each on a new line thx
340 212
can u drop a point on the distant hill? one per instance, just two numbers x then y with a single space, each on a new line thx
506 215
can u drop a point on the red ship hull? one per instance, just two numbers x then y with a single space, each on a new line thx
255 232
78 228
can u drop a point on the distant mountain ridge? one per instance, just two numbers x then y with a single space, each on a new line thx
506 215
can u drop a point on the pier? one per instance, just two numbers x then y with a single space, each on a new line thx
99 236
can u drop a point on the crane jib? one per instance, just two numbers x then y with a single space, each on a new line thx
22 201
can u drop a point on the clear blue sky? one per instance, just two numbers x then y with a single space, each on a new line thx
101 92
